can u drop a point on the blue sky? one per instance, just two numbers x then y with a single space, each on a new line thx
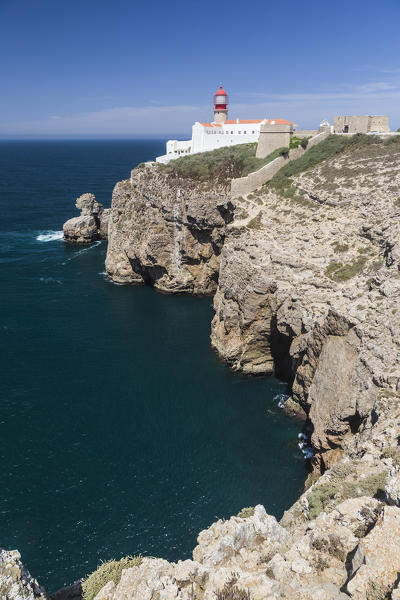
120 67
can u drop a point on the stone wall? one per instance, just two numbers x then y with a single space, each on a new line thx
301 133
273 137
361 124
244 185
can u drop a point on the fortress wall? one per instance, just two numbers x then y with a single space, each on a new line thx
379 123
273 137
361 123
244 185
301 133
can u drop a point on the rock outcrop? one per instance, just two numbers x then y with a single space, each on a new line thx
16 583
91 225
167 232
349 552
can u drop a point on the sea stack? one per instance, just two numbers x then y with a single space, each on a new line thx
91 225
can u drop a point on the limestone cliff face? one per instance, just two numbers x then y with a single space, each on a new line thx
167 232
309 287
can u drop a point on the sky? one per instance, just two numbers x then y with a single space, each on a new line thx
126 68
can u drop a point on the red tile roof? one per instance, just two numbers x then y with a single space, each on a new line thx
242 121
279 122
249 122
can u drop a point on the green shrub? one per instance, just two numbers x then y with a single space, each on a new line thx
219 166
294 142
110 570
246 512
339 272
336 491
304 143
283 151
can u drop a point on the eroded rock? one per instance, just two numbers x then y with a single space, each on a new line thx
166 232
16 583
91 225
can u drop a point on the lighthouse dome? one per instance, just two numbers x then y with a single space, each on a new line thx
221 91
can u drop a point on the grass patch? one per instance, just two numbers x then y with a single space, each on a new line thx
110 570
246 512
255 223
219 166
340 247
339 272
332 146
336 491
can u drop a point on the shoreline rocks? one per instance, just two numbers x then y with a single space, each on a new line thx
91 225
16 583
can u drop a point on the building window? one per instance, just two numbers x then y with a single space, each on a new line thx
244 132
253 131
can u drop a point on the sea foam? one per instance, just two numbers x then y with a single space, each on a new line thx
50 236
280 399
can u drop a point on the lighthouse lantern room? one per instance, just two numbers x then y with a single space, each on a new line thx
220 105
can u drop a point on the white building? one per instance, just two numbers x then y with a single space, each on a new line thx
221 132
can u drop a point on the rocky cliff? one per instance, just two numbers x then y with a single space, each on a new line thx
307 281
167 232
308 287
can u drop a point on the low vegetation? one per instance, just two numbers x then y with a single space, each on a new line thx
231 591
220 166
332 146
246 512
295 142
110 570
342 272
338 489
256 222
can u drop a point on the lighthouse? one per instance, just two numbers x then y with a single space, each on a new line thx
221 132
220 105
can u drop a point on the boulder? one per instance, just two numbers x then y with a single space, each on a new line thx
91 225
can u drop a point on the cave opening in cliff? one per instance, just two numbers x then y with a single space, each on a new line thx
280 346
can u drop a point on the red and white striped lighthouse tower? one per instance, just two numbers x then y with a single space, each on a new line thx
220 106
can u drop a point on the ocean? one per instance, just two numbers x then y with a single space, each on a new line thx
120 430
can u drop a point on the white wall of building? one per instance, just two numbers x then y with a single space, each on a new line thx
210 136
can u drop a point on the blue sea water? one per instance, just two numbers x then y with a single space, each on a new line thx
120 430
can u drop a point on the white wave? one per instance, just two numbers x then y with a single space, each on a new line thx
50 236
83 251
280 399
